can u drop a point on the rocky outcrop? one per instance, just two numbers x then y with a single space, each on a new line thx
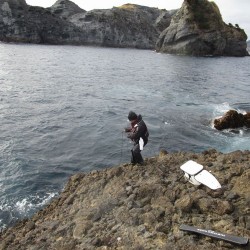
231 120
198 29
142 207
65 9
126 26
22 23
65 23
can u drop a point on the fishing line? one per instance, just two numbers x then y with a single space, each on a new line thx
162 135
121 156
122 147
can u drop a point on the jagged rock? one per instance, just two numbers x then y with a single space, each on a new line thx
14 4
232 119
198 29
129 25
195 29
22 23
65 23
184 203
65 9
138 207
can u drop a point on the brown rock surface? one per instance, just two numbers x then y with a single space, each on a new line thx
232 119
142 207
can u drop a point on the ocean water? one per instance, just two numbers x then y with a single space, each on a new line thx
63 110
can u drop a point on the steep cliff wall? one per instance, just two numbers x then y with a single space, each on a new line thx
198 29
65 23
22 23
126 26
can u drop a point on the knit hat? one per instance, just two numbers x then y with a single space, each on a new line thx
132 116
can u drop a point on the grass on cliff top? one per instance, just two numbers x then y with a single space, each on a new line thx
128 6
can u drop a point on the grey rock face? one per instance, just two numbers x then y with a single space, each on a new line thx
195 29
126 26
65 23
65 9
28 24
198 29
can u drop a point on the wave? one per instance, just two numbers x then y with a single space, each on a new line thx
222 108
12 211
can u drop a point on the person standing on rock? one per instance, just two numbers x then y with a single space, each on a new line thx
138 133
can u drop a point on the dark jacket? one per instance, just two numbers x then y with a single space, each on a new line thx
137 130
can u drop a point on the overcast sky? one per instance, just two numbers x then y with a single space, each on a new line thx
232 11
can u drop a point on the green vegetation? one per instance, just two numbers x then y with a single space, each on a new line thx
205 14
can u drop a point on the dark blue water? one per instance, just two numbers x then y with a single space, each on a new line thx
63 109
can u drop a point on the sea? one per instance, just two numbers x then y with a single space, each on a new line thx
63 110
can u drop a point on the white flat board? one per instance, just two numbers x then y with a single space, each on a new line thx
191 167
207 179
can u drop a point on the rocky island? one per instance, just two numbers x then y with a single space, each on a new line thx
196 28
142 207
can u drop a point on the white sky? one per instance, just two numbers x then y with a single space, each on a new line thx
232 11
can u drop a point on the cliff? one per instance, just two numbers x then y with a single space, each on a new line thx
65 23
22 23
142 207
198 29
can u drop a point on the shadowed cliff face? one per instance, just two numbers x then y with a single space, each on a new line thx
142 207
65 23
126 26
15 4
198 29
22 23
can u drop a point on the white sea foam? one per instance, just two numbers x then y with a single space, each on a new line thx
222 108
43 152
27 204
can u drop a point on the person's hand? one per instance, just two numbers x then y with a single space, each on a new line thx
127 130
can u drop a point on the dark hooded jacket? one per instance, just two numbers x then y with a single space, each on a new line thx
139 130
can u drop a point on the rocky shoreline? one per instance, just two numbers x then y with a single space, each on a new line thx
196 29
142 207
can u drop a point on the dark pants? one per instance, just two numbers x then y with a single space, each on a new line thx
136 155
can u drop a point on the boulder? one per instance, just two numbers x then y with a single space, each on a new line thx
198 29
231 120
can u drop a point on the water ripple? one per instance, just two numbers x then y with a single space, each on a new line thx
63 111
